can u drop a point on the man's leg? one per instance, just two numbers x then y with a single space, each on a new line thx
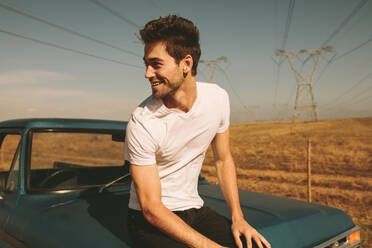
204 220
144 235
214 226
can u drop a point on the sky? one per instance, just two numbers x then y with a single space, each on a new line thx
82 58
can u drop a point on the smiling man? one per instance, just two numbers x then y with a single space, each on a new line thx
167 138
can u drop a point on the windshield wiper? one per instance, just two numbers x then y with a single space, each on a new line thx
113 182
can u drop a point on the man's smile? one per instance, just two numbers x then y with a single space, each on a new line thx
156 83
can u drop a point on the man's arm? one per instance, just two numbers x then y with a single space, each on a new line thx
226 174
147 184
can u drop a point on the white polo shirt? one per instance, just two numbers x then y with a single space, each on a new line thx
176 142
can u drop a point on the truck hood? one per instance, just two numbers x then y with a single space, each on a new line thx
86 219
282 221
99 220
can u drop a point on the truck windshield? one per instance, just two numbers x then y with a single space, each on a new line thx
75 160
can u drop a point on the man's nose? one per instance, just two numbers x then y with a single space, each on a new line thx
149 72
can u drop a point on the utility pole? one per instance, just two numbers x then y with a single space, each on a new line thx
304 84
212 64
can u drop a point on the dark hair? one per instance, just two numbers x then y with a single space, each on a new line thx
180 36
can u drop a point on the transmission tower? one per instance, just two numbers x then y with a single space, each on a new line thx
304 103
212 64
280 112
252 110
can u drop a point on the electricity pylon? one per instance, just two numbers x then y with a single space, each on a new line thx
280 112
252 109
304 84
212 64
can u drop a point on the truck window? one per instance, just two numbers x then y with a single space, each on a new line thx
9 158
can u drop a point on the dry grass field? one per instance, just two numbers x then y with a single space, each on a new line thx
271 158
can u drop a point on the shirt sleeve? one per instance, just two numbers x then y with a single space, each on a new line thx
140 146
225 113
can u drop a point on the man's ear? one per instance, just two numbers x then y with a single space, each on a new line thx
187 64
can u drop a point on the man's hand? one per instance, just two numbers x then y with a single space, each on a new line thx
241 227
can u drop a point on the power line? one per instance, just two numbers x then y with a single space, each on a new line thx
361 17
118 15
343 23
284 42
67 30
69 49
364 98
202 73
276 84
357 97
335 58
231 86
212 64
288 23
324 69
363 93
354 49
348 90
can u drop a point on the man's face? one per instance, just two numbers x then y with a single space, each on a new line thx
164 74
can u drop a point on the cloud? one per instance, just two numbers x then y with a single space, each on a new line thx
25 77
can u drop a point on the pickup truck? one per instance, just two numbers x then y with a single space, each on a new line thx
65 183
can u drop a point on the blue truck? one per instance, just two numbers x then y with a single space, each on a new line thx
65 183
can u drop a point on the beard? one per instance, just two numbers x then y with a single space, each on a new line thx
166 89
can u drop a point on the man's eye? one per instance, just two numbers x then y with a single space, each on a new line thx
156 65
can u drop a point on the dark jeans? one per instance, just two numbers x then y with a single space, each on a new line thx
204 220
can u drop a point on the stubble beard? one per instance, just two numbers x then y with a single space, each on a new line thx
168 91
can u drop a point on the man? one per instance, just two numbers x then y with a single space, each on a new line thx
167 138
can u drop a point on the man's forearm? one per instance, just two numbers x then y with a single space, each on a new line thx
172 225
226 174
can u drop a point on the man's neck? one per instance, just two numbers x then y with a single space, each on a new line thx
184 97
